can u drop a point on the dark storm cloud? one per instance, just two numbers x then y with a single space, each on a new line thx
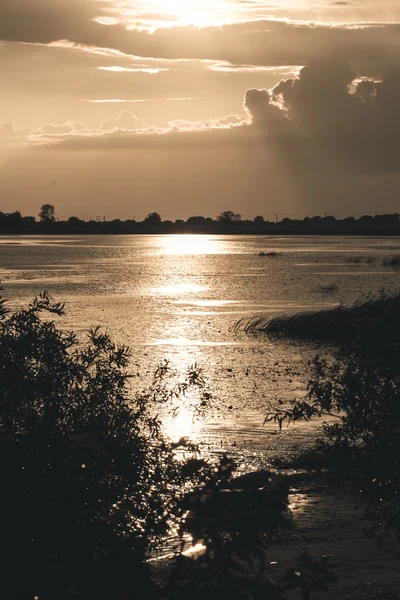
324 137
325 116
360 130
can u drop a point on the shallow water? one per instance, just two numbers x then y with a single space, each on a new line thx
179 297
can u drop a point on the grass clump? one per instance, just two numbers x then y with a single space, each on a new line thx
392 261
334 324
356 260
327 290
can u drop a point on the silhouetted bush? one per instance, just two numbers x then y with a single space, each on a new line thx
216 576
89 484
232 518
358 390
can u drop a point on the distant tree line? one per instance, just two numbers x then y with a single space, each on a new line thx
227 222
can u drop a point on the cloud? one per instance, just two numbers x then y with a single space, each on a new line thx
323 141
227 122
226 67
142 69
115 100
124 122
69 128
327 108
255 43
264 114
326 114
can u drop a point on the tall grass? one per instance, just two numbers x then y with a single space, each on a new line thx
334 324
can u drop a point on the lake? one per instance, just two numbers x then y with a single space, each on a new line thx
178 298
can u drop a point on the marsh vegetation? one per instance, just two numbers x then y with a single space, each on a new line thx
354 388
341 323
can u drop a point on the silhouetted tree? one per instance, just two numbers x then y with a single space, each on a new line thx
196 221
75 221
153 219
259 220
47 213
228 217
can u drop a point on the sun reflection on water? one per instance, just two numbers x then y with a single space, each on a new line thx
180 288
181 425
191 245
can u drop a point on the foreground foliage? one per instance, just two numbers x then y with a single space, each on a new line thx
357 391
89 484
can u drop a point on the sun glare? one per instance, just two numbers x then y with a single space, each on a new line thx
181 425
195 12
190 244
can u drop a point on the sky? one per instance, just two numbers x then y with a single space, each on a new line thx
118 108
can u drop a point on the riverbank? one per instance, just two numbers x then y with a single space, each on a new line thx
327 520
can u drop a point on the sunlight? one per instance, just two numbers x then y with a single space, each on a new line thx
180 288
182 425
191 244
195 12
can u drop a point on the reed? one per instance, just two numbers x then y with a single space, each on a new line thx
334 324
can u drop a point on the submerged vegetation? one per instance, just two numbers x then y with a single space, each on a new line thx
335 324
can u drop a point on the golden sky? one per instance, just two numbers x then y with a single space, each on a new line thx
163 95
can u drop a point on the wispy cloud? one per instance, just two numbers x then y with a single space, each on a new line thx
148 70
178 99
227 67
132 100
115 100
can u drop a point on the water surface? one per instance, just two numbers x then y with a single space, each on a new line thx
178 298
